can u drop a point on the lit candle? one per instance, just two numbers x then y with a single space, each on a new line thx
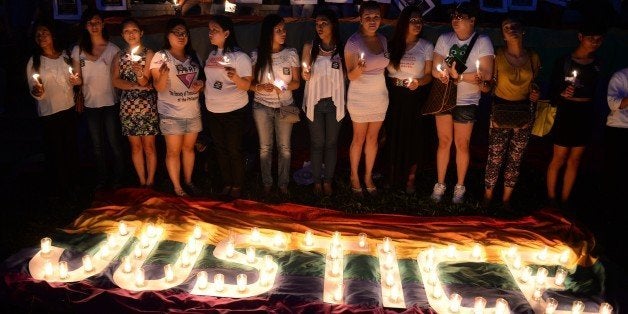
390 279
270 77
477 251
543 254
512 251
432 278
336 264
150 230
198 232
389 260
250 254
230 249
224 61
137 252
46 246
501 306
71 70
104 251
362 240
560 276
278 241
454 302
338 292
564 256
526 272
269 264
36 79
88 266
577 307
126 265
541 275
185 259
477 67
305 67
437 292
264 279
63 269
112 242
309 238
144 242
334 251
219 282
164 57
439 68
517 262
429 254
201 280
230 7
168 273
387 245
575 75
409 81
335 239
550 305
139 277
192 245
122 228
451 251
479 305
47 269
362 56
394 293
428 266
605 308
538 292
241 281
255 235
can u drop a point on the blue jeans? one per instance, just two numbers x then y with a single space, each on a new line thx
324 138
268 124
104 123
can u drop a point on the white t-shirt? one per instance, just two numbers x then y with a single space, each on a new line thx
54 75
283 62
97 86
177 101
617 90
221 93
412 64
327 80
467 93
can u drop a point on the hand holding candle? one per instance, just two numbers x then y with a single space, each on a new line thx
133 56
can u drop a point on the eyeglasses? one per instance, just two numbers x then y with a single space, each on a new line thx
179 34
416 21
459 17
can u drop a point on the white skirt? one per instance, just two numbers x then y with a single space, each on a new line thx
367 98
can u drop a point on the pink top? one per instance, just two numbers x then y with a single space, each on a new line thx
375 63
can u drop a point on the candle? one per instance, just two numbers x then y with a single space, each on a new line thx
338 292
394 293
390 279
550 305
512 251
264 279
451 251
104 251
541 275
134 57
477 251
219 282
126 265
517 262
88 266
336 264
577 307
605 308
46 246
250 254
334 251
439 68
386 246
63 269
185 259
269 264
409 81
168 273
477 67
432 278
501 306
71 70
144 242
270 77
150 230
437 292
111 240
137 252
255 235
335 238
278 241
164 57
536 295
122 228
47 269
362 239
201 280
309 238
543 254
192 245
559 278
564 256
230 249
36 79
198 232
454 302
575 75
225 61
362 56
230 7
526 272
389 260
241 281
139 277
305 67
479 305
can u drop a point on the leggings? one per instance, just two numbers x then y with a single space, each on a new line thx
512 144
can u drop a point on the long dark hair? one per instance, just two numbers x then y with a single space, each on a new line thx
265 45
231 44
188 49
335 36
37 51
398 42
85 41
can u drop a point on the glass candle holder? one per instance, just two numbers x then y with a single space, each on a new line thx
46 246
454 302
517 262
255 235
191 247
139 277
122 228
541 275
269 263
137 252
198 232
230 249
577 307
63 269
338 292
389 279
389 260
477 251
605 308
550 305
512 251
202 280
151 232
542 256
336 266
335 251
48 270
250 254
451 251
437 292
387 245
525 274
362 240
126 265
564 256
537 293
168 273
278 241
219 282
479 305
501 306
561 275
241 282
185 259
88 266
144 241
394 293
104 251
336 238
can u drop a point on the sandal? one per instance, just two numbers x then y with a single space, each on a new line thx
356 191
180 192
372 191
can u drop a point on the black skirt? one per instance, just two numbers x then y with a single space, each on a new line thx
573 125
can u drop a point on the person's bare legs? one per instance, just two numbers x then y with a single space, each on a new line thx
462 138
571 171
355 152
370 152
188 155
150 154
444 130
173 159
137 157
559 157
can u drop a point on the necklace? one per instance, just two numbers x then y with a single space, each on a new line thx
320 47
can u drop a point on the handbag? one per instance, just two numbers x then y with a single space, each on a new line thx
289 114
442 97
544 119
510 114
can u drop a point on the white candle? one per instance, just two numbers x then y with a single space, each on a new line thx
309 238
278 240
219 282
88 266
564 256
362 240
479 305
264 279
48 269
526 272
185 259
559 278
122 228
134 57
126 265
137 252
46 246
250 254
150 230
605 308
432 278
335 238
230 249
542 256
336 264
577 307
198 232
541 275
36 78
550 305
335 251
387 245
477 251
512 251
112 241
517 262
394 293
451 251
255 235
139 277
144 242
104 251
192 245
389 260
537 294
168 273
305 67
338 292
437 292
63 269
390 279
201 280
269 263
454 302
501 306
241 281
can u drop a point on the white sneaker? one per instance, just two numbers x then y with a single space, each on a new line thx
458 194
438 192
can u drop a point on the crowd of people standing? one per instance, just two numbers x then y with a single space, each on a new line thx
380 84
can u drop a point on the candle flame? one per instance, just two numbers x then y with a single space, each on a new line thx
361 55
71 70
134 50
575 74
269 76
36 77
477 64
439 67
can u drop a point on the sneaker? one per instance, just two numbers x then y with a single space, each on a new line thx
458 194
438 192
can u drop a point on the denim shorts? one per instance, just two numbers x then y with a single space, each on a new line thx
463 114
177 126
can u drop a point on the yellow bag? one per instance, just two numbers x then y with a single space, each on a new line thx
544 120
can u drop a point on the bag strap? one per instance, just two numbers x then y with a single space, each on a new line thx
470 47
